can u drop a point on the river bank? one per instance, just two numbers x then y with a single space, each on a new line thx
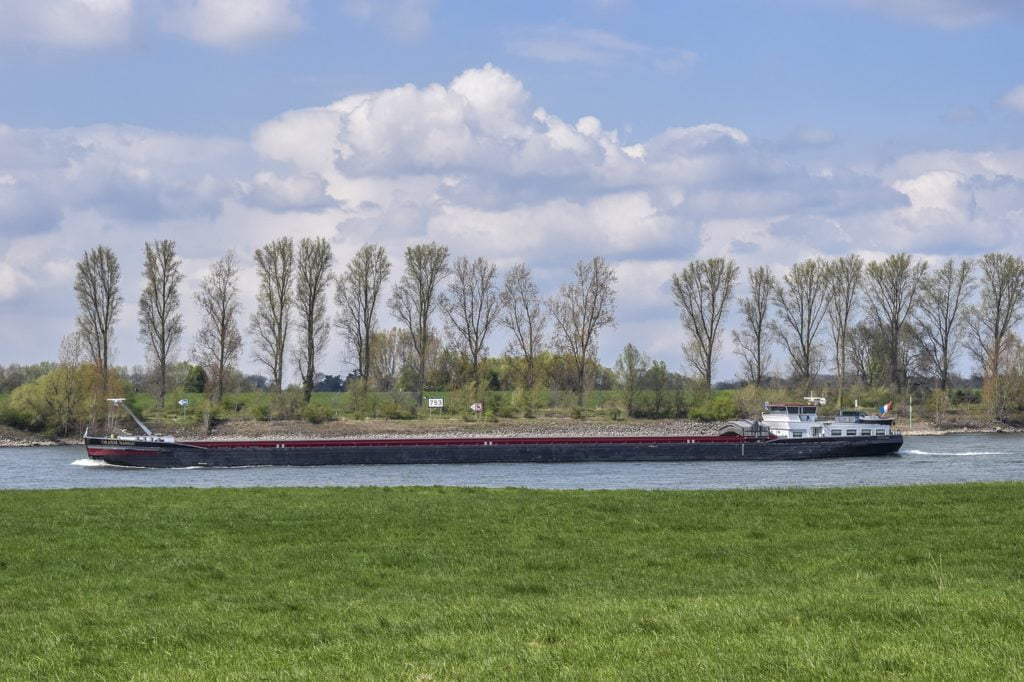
449 428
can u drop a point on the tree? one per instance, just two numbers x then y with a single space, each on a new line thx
752 339
160 325
991 322
579 312
471 307
703 291
218 342
893 286
629 369
800 301
97 286
415 299
312 277
939 316
843 279
275 265
357 292
523 315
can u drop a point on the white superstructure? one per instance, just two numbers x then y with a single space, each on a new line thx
801 421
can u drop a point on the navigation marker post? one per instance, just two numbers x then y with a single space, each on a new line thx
435 403
184 403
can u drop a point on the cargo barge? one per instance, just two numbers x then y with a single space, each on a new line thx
784 432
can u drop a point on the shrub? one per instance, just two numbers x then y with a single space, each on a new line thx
317 414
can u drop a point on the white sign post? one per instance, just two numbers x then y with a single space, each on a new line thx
184 403
435 403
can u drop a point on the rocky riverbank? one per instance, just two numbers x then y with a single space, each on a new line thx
448 428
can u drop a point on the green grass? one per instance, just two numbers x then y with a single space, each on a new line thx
443 583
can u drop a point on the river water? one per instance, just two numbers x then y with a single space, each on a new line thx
923 459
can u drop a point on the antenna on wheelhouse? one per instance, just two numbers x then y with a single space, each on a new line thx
121 402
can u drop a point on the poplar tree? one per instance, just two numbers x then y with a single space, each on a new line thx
312 278
523 315
753 338
357 295
471 307
97 287
893 286
415 298
218 342
269 325
702 291
579 311
160 322
800 303
940 315
843 278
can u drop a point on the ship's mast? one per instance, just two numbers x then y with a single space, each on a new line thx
121 402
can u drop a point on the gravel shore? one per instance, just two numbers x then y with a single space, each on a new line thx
449 428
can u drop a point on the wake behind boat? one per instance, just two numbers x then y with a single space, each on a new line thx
784 432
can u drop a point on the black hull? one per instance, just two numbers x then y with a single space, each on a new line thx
480 451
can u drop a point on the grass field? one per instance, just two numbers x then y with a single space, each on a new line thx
443 583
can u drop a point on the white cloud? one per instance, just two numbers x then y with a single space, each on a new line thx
478 165
67 23
562 44
228 23
1014 99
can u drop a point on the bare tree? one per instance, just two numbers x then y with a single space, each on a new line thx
629 369
160 325
843 278
471 307
752 340
524 316
800 301
893 285
312 278
415 299
275 265
939 316
991 323
218 342
357 292
579 312
97 286
387 357
703 291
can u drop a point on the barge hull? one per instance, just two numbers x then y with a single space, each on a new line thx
481 451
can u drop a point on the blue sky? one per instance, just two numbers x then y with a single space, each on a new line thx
645 132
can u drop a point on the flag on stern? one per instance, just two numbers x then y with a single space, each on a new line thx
884 409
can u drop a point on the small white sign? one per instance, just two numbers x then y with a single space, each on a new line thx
435 402
476 407
183 402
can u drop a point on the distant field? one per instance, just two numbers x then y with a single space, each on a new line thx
440 583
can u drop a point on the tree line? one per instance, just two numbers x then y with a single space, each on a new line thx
291 321
889 323
886 322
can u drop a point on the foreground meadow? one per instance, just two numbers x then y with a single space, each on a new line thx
443 583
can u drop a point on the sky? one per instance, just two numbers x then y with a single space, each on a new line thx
646 133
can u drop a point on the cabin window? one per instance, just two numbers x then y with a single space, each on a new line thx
865 432
798 434
851 432
880 432
837 432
